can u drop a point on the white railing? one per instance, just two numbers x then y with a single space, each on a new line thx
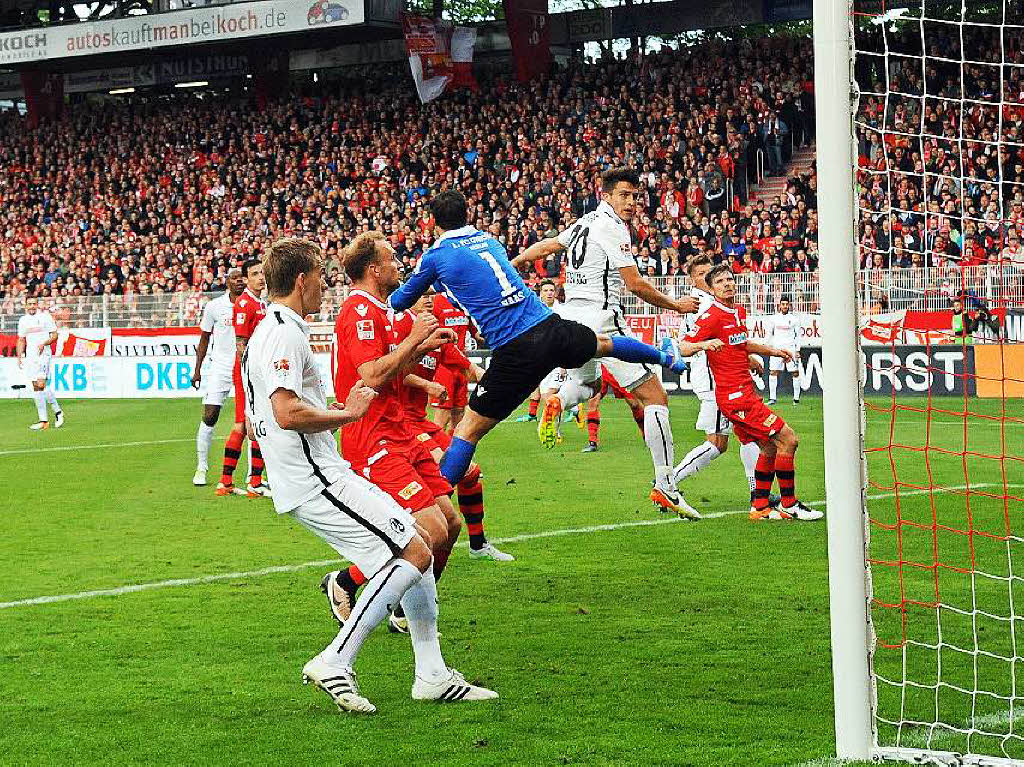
879 290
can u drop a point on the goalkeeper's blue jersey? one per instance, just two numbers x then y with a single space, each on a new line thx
473 269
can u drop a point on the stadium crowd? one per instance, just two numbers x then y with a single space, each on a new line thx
143 195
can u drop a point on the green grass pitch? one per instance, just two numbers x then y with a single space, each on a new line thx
645 644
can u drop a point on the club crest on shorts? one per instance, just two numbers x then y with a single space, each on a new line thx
410 490
397 526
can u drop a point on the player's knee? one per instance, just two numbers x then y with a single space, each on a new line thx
604 345
720 441
788 441
210 415
417 553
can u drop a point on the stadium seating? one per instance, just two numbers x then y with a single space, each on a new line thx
160 195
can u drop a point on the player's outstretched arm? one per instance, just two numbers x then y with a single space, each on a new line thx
645 291
537 251
768 351
407 294
433 388
294 414
688 349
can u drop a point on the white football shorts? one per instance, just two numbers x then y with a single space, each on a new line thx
710 419
359 521
38 368
777 364
629 374
217 387
553 380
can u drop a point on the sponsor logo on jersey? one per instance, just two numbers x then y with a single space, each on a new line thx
240 318
408 492
361 310
737 338
364 330
423 437
450 322
281 366
771 419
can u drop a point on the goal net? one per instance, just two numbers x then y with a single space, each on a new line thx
938 127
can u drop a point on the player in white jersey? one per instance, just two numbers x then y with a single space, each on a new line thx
710 420
286 409
784 333
216 324
600 264
548 293
36 333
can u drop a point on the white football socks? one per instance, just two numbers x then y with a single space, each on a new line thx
52 399
40 398
420 606
698 458
749 453
773 385
796 385
382 592
204 439
658 436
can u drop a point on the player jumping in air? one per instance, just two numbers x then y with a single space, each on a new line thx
600 264
527 339
248 310
785 334
37 332
752 420
287 408
217 323
710 418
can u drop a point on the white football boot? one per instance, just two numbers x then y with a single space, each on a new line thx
491 552
452 688
339 683
199 478
58 419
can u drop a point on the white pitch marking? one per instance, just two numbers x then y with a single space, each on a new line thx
68 448
132 588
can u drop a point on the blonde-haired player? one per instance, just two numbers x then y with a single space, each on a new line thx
36 333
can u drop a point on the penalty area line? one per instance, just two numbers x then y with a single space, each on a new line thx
203 579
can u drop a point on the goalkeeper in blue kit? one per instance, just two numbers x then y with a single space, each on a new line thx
527 339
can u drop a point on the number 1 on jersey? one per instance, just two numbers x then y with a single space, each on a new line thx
507 288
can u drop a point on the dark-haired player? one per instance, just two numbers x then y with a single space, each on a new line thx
751 419
599 266
248 310
527 339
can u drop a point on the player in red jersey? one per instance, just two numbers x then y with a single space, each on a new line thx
378 445
448 410
247 312
752 420
593 418
418 386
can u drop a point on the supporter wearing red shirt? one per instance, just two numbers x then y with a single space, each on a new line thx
379 445
449 409
724 325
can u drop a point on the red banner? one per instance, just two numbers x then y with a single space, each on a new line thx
529 30
44 96
76 346
440 55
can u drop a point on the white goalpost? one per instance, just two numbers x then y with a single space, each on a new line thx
920 136
844 467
